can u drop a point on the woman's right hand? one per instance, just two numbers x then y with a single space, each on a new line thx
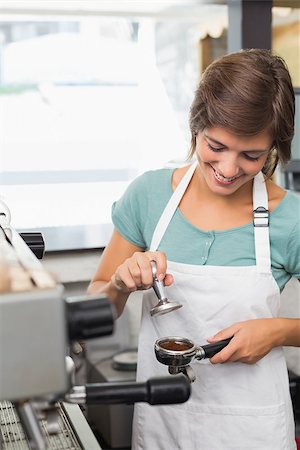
135 273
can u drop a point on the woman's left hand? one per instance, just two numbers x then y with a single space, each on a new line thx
251 341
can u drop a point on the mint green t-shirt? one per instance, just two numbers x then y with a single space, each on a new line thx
136 214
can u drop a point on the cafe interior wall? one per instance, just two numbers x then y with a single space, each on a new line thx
285 42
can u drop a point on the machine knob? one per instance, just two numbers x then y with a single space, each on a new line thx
89 317
35 242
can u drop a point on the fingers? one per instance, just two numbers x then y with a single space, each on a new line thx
136 272
161 267
169 279
250 342
161 263
226 333
123 279
234 353
228 353
142 271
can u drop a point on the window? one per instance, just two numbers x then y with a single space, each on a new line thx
82 112
89 102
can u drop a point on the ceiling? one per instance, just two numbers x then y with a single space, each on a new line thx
180 9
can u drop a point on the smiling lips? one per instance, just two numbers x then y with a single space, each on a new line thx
222 179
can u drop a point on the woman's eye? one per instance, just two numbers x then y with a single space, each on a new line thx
251 158
214 149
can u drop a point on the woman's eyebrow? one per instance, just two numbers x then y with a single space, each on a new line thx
214 140
260 150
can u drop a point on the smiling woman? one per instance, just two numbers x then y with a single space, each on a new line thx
226 241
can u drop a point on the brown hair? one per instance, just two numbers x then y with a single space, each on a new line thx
247 92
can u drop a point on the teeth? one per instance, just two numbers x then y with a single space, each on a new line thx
221 178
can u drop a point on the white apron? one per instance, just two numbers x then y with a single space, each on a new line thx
233 405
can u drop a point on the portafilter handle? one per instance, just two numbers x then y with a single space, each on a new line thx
209 350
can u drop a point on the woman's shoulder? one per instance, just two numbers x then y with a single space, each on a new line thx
153 177
275 194
149 181
157 175
165 175
289 207
178 174
279 197
287 213
150 187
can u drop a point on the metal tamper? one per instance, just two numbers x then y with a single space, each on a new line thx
164 305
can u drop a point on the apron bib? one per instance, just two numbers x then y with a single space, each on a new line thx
232 405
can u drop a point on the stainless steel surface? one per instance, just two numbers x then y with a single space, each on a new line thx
77 395
164 305
157 284
31 426
32 326
82 429
12 436
32 317
186 370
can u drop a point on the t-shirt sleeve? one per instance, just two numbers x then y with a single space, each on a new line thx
293 252
130 211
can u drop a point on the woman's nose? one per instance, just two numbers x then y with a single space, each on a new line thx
228 167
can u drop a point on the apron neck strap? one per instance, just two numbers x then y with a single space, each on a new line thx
171 207
261 224
260 217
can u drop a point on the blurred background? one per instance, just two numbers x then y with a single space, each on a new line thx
92 94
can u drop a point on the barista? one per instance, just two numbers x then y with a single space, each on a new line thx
226 240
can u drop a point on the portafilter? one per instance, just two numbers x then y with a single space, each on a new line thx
177 353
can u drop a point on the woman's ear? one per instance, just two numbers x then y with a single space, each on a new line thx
271 164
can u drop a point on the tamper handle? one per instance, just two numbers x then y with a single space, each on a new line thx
157 285
212 349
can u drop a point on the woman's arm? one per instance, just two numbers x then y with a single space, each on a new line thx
125 268
290 332
115 253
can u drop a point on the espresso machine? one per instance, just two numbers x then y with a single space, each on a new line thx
38 398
